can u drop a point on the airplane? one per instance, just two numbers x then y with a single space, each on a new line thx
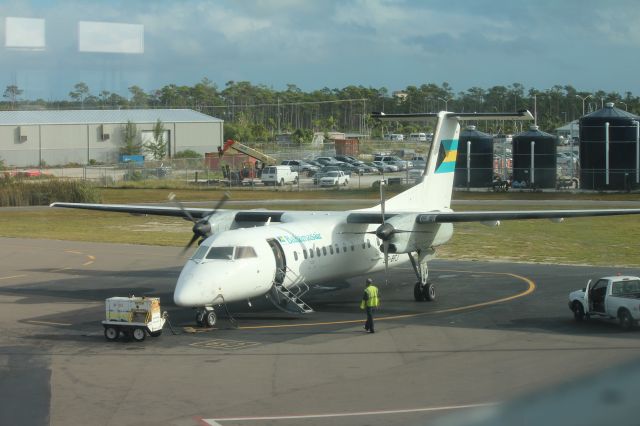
249 254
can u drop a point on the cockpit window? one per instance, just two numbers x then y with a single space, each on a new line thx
245 252
199 254
224 253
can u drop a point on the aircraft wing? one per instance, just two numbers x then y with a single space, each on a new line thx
199 213
483 216
486 216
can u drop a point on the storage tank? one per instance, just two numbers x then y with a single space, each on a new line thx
480 171
616 129
542 171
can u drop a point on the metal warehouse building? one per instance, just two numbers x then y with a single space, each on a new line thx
31 138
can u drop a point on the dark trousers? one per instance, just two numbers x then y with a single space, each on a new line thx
369 324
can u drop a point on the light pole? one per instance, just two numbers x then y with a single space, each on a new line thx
623 103
565 116
446 102
583 99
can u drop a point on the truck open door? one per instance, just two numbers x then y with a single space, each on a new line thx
587 289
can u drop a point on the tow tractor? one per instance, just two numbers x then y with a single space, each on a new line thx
133 317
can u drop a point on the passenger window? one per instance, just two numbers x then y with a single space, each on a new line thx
344 248
311 253
295 255
331 249
369 243
245 252
304 253
337 248
352 247
318 251
224 253
364 245
324 251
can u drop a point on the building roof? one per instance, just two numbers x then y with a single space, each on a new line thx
104 116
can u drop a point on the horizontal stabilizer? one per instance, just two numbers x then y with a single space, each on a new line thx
461 116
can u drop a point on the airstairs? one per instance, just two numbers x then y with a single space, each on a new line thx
289 299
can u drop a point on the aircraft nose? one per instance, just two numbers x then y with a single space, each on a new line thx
186 292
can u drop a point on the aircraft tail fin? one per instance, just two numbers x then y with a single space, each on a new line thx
435 190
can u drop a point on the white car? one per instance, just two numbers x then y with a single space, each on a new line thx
335 178
384 167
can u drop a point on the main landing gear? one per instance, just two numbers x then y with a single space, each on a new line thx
422 290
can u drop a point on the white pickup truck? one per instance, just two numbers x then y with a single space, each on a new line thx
334 178
614 297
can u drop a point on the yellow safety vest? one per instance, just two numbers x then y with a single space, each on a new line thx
372 298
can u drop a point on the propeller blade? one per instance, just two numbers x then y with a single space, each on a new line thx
189 244
382 200
219 204
185 212
385 247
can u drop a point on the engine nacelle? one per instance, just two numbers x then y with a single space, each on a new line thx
222 221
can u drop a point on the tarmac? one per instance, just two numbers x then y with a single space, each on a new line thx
495 332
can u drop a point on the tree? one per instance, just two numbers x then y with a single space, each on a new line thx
158 146
12 92
131 144
138 97
80 93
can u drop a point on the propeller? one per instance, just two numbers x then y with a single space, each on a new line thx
201 228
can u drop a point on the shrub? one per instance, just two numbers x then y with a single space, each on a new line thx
37 193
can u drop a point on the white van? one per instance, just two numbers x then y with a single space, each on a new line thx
418 137
278 175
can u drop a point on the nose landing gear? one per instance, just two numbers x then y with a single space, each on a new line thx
206 317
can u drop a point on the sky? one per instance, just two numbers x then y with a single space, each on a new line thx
49 45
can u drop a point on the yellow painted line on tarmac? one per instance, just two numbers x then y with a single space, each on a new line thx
531 287
13 276
90 261
47 322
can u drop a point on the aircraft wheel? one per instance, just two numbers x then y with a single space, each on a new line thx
418 295
138 334
429 291
210 318
111 333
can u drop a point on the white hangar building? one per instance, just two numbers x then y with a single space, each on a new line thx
29 138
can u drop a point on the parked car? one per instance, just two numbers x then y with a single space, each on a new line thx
328 161
384 167
367 168
352 168
335 178
393 160
346 159
323 172
418 162
300 166
278 175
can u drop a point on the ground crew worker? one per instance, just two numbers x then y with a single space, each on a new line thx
370 302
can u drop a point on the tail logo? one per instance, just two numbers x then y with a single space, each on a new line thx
447 156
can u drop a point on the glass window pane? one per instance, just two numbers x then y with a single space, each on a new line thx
224 253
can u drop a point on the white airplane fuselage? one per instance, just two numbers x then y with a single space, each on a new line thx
310 247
